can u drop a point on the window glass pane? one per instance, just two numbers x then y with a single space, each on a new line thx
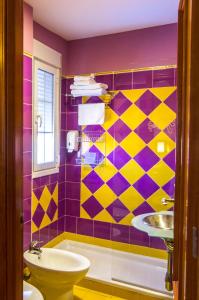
40 148
49 147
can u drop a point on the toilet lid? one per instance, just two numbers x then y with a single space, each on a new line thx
30 292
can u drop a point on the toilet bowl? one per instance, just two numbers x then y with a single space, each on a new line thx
56 271
30 292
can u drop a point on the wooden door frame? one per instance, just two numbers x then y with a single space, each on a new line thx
11 228
186 266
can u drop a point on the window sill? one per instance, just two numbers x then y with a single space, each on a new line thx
45 172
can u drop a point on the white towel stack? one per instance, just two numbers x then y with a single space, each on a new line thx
87 86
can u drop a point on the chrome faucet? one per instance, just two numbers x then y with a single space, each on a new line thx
165 201
34 248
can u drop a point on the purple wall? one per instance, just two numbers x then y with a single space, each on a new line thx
148 47
52 40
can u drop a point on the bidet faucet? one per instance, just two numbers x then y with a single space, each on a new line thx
34 248
165 201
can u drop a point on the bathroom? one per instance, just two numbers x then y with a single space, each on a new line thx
99 156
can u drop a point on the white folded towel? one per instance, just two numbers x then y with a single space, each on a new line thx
83 78
85 82
81 93
93 86
91 114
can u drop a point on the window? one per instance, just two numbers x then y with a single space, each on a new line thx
46 119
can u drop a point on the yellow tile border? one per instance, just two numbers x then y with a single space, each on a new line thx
146 251
127 70
28 54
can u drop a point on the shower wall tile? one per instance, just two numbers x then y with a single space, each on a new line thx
85 227
72 208
27 67
142 79
102 230
165 77
27 91
71 224
106 79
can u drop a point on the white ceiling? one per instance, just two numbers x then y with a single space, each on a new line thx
76 19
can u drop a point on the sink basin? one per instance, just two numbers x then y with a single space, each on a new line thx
160 224
30 292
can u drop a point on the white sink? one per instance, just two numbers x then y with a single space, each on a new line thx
56 271
30 292
159 224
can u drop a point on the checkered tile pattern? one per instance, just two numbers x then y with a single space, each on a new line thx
44 207
139 168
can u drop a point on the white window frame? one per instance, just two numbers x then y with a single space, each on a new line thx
48 60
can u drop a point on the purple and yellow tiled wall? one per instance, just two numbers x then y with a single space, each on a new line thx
139 168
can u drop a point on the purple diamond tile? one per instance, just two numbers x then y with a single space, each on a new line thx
118 184
107 79
85 227
146 186
94 99
143 209
27 67
120 233
117 210
142 79
169 187
156 243
171 101
93 182
170 160
148 102
94 132
171 130
27 92
163 78
51 209
70 224
120 104
38 215
38 192
147 130
146 158
102 230
123 81
51 187
92 207
72 208
99 157
138 237
119 131
119 157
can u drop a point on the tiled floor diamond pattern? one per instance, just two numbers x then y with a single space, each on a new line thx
140 132
44 207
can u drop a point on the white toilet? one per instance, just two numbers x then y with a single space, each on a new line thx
30 292
56 271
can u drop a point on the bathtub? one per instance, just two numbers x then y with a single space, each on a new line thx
137 273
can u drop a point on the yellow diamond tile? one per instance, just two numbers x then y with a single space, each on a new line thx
136 94
132 171
133 117
45 222
127 220
55 194
163 93
110 118
101 144
34 228
132 144
85 193
34 204
104 216
55 216
131 198
105 195
85 170
85 99
162 116
129 94
45 198
162 144
83 213
155 201
161 173
110 143
106 171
